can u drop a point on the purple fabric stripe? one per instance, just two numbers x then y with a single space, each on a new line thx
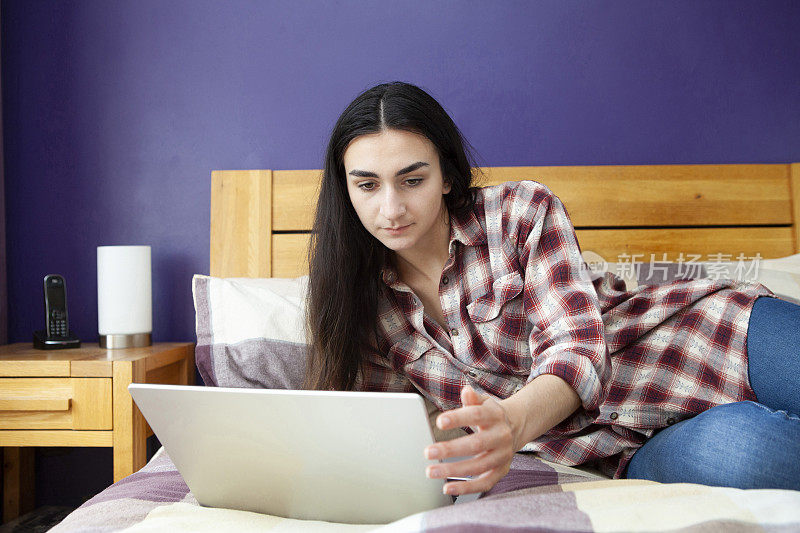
526 471
733 526
203 311
202 353
528 498
493 528
535 509
260 363
202 357
146 486
522 479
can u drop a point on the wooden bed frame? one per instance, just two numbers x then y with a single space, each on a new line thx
260 219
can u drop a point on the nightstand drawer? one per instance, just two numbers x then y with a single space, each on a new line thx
55 403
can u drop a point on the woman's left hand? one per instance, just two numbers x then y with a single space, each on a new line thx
492 444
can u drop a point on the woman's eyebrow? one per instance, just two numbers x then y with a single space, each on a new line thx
406 170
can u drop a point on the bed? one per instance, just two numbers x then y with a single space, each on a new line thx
647 224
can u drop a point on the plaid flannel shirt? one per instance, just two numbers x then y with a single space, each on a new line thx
520 301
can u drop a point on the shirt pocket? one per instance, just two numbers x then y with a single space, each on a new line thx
504 289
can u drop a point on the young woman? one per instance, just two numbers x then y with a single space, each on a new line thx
479 299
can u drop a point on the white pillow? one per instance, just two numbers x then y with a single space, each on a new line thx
250 331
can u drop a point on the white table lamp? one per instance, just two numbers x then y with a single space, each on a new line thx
124 296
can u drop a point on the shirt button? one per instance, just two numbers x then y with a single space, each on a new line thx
454 332
614 416
445 280
472 374
670 421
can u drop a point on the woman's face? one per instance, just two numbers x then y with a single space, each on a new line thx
396 187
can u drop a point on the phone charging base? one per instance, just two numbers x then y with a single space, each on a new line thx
42 342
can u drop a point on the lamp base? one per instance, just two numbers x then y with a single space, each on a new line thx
134 340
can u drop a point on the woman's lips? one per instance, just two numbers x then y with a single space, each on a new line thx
397 231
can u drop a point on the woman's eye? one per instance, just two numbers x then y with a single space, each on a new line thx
368 186
414 181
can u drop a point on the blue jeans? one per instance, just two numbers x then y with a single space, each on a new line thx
747 445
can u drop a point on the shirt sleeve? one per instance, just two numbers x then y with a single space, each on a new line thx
567 338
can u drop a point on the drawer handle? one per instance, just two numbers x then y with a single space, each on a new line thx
35 404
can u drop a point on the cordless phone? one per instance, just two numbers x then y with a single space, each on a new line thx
57 333
55 305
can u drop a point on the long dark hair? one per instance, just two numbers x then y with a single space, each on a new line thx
345 260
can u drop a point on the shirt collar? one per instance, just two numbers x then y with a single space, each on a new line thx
466 230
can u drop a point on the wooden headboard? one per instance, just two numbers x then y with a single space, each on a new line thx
260 219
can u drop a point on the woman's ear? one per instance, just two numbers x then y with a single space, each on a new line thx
447 187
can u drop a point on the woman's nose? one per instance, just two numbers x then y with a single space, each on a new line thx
392 206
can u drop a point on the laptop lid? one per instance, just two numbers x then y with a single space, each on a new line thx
351 457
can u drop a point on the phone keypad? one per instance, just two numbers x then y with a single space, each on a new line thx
58 324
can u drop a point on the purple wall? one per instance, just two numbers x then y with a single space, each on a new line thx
115 113
3 290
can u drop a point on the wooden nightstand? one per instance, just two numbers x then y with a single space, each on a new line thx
78 397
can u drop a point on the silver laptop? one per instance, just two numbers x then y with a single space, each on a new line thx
351 457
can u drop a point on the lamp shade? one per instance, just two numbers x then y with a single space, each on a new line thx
124 296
